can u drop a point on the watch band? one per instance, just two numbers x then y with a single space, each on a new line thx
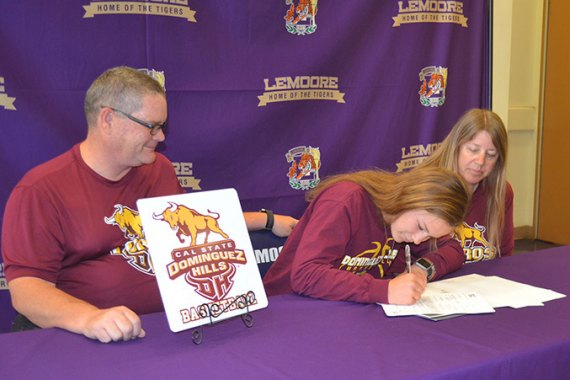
270 219
426 265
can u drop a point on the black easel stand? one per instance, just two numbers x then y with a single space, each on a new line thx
213 311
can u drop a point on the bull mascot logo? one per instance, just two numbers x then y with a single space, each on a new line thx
304 170
135 249
189 222
474 243
434 83
300 18
473 235
210 266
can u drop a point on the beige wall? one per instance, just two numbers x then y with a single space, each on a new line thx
517 56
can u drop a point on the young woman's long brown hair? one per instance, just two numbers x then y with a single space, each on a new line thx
436 190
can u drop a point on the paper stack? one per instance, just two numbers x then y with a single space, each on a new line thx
472 294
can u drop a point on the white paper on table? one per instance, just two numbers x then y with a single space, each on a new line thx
441 304
497 291
472 294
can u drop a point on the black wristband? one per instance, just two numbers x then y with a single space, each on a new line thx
270 219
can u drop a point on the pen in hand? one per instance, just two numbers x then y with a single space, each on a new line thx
408 260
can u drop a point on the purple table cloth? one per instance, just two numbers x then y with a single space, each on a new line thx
298 337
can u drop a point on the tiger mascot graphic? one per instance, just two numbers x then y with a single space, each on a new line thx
300 19
304 170
304 9
435 85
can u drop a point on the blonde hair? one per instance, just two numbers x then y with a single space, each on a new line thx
120 87
446 156
438 191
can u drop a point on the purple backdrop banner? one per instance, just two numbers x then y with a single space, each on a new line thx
267 97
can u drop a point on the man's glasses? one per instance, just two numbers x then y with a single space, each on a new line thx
153 128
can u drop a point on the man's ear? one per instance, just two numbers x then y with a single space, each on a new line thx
105 119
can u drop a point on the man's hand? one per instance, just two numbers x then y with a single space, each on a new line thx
283 225
113 325
46 306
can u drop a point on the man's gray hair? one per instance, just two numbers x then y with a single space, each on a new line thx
119 87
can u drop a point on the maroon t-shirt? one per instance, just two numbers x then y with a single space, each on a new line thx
66 224
339 250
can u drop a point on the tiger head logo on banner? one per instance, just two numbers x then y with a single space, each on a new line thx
301 17
434 82
304 169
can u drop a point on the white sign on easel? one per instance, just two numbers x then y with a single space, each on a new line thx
202 256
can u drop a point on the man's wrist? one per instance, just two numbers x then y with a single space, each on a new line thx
270 219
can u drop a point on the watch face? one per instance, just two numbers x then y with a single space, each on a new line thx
427 266
424 263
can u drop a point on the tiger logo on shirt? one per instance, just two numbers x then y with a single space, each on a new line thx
135 249
475 245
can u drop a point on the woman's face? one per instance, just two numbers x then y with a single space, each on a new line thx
416 226
477 158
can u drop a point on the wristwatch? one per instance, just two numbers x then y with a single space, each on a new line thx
270 219
426 265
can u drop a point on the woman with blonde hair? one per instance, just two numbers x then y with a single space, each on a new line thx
476 148
349 237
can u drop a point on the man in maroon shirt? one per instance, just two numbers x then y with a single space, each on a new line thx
74 251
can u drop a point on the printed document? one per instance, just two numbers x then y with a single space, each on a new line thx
472 294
